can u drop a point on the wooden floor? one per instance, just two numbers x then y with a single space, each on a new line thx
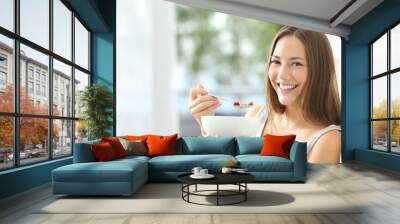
377 188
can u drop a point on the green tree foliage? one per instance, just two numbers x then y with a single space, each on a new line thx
97 104
235 47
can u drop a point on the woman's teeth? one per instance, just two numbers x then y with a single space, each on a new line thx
287 87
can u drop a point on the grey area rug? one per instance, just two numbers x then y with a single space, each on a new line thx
166 198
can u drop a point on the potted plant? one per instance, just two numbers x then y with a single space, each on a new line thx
96 102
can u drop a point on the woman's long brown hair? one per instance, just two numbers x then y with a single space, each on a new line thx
321 104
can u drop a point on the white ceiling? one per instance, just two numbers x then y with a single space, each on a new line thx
318 15
320 9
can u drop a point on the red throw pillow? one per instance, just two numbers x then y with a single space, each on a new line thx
161 145
103 152
116 145
277 145
136 137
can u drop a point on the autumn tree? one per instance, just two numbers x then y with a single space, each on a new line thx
6 122
380 127
396 123
33 131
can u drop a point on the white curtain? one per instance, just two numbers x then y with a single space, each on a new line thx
146 63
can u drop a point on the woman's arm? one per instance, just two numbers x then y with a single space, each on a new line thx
327 149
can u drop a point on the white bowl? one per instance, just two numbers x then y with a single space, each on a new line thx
230 125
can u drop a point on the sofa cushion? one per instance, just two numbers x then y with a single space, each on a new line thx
134 147
185 163
159 145
111 171
257 163
103 152
132 158
136 137
206 145
277 145
116 145
248 145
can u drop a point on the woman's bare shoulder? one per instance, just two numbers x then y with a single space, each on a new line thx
254 110
327 149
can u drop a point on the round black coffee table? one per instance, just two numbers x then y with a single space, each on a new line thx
238 179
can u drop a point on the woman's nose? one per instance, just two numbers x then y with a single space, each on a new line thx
283 72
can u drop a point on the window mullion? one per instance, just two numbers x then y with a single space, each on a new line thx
371 142
73 82
389 106
16 84
50 81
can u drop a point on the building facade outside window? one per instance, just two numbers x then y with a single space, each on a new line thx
30 87
3 78
3 72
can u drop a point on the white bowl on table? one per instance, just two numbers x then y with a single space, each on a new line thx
230 125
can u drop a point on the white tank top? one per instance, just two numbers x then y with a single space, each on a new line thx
262 116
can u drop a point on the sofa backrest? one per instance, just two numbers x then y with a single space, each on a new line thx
197 145
83 152
248 145
206 145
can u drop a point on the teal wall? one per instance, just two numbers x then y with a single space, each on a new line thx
102 58
380 159
355 81
104 52
24 178
99 16
103 63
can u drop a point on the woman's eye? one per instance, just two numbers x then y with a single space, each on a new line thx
275 62
297 64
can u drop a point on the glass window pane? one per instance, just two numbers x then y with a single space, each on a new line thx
35 21
62 29
379 98
62 89
62 138
6 142
81 45
395 94
6 74
34 97
81 131
81 81
379 55
7 14
395 47
395 138
379 135
33 140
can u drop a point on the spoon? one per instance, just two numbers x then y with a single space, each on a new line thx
236 104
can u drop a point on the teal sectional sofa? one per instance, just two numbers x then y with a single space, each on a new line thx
125 176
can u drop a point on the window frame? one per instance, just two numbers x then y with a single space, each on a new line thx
388 74
16 115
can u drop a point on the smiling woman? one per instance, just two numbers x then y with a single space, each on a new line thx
301 93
